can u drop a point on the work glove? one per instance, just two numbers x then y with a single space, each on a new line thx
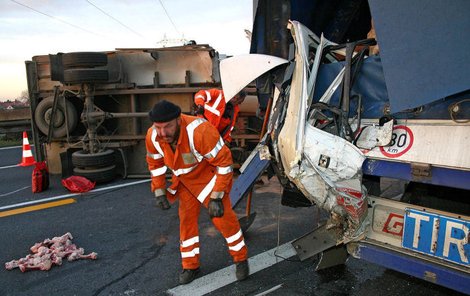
216 207
200 110
162 202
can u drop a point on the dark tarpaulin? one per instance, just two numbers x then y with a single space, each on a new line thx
339 20
424 48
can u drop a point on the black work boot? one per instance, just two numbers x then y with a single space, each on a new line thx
188 275
243 270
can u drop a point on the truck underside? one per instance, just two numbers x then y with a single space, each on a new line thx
90 109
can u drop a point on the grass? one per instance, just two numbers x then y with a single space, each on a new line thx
10 141
7 143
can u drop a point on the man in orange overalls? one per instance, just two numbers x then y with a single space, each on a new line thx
202 176
212 106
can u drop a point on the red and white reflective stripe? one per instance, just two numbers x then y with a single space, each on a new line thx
27 153
207 190
224 170
234 237
190 129
189 242
191 253
213 153
208 96
158 172
213 108
183 171
172 191
238 246
155 143
154 155
203 98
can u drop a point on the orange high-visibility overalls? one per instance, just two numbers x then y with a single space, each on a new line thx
201 164
215 107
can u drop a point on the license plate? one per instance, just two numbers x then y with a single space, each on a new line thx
437 235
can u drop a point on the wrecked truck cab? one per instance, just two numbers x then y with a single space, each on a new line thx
316 165
324 167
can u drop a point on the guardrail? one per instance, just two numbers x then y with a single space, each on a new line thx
14 121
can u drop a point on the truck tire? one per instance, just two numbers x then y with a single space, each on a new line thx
83 159
84 59
43 114
100 175
73 76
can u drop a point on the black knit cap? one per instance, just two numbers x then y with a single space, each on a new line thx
164 111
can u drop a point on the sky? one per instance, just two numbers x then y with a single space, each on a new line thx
40 27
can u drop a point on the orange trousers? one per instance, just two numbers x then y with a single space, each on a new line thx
227 225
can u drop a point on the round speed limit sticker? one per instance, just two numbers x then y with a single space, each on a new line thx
402 140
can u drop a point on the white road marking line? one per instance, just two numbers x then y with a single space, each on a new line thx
269 290
9 166
226 276
5 194
71 194
13 147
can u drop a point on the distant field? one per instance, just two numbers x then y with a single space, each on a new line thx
9 142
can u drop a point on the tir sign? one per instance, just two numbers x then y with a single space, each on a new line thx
437 235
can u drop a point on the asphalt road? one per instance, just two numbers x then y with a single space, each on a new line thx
138 245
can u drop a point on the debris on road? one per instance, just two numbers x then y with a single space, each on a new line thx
50 252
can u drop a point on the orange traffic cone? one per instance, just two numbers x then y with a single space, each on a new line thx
28 158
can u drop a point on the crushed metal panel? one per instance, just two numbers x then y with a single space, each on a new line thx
292 132
375 136
251 65
424 48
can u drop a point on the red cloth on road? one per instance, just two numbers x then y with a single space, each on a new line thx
78 184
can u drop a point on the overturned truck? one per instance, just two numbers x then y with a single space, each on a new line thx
375 131
90 109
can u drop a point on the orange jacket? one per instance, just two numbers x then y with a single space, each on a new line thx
215 106
201 161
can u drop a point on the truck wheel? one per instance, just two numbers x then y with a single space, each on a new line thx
83 159
100 175
85 76
84 59
43 117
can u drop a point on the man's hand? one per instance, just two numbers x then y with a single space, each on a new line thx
216 208
162 202
200 110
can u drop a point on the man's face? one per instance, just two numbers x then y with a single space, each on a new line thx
168 131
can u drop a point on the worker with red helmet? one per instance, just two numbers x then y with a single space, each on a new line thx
223 115
192 149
